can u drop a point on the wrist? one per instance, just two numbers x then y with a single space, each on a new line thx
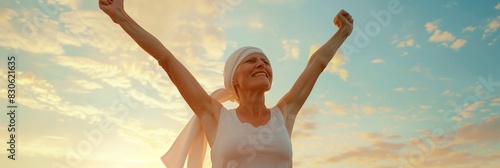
344 32
120 17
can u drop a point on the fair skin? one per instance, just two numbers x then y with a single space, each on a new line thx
252 78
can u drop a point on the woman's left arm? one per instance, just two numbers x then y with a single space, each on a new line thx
293 100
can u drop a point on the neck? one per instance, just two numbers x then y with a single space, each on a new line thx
253 103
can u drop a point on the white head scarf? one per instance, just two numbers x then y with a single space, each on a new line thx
192 139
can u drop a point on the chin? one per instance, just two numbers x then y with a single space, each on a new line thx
265 86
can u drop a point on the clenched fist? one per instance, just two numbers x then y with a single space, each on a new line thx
344 21
113 8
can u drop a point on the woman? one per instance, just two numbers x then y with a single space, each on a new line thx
251 135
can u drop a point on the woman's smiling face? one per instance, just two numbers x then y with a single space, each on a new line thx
253 73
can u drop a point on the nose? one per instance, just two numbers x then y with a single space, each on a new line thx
260 64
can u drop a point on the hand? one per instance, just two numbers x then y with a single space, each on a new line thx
344 22
113 8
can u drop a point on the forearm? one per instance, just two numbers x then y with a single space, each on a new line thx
144 39
325 53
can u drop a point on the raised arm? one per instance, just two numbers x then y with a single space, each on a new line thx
197 98
292 101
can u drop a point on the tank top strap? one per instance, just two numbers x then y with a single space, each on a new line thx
224 117
276 111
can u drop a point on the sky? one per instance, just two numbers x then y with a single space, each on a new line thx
417 84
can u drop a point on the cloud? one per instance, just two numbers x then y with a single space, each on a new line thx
412 89
399 89
493 41
469 29
431 26
88 85
40 94
425 107
451 4
291 49
36 38
72 4
427 72
379 149
305 122
480 132
307 112
47 146
256 24
453 155
399 117
368 109
491 27
495 102
458 44
142 133
342 125
440 36
281 2
445 37
406 43
377 61
405 53
333 108
307 125
375 136
107 73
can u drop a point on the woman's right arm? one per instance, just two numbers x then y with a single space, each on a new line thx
196 97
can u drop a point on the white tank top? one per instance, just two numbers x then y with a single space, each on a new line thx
242 145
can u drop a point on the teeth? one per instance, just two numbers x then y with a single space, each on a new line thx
260 74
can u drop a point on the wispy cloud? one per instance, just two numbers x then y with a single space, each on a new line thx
88 85
291 49
376 61
495 102
440 36
406 41
480 132
342 125
458 44
399 89
333 108
491 27
469 29
427 72
443 37
256 24
380 148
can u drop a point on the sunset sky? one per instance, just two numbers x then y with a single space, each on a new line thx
417 84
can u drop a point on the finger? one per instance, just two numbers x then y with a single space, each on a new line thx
343 19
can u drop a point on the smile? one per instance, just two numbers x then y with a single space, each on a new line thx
260 74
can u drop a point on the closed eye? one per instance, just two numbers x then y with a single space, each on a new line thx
265 61
250 61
